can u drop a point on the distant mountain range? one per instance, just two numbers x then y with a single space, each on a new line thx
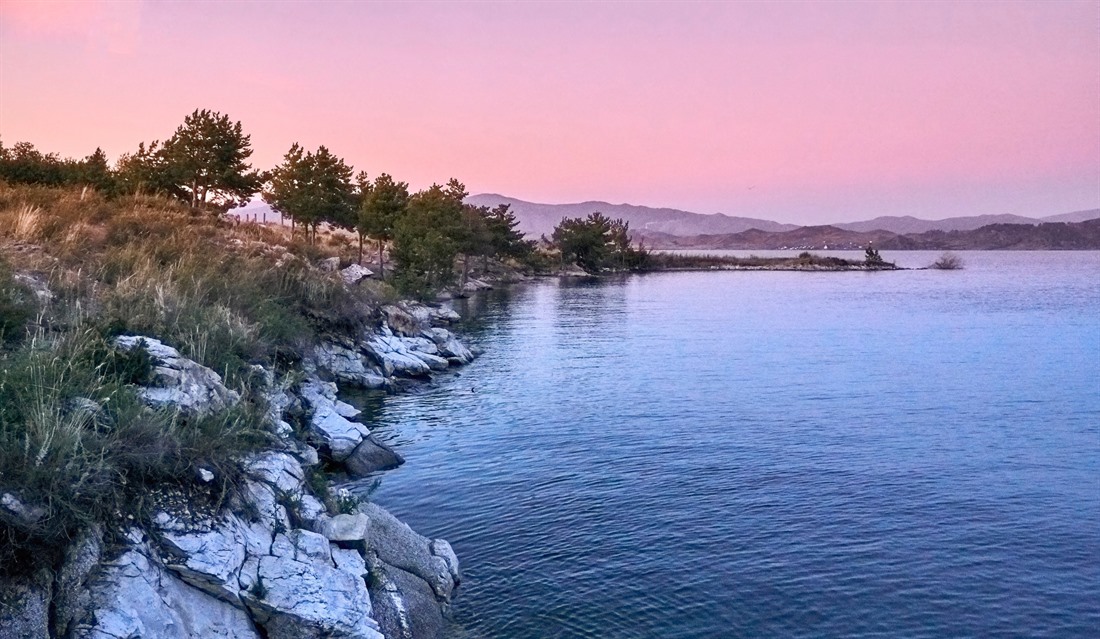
676 229
1041 236
537 219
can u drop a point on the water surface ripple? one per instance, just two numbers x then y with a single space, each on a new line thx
757 454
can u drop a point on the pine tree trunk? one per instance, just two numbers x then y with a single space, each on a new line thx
360 249
381 264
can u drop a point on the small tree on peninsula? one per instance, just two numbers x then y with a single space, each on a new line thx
584 240
872 258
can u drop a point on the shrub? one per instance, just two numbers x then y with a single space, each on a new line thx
948 262
17 306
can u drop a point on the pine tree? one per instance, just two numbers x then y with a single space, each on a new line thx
207 158
382 206
312 188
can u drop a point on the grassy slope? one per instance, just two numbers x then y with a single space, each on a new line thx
225 295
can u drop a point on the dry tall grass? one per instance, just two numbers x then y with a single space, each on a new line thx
73 435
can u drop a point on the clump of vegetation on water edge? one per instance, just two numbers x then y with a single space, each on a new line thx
948 262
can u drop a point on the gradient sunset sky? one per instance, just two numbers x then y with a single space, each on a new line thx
798 112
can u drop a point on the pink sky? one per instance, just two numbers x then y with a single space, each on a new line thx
805 113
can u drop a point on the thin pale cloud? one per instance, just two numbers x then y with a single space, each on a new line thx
112 26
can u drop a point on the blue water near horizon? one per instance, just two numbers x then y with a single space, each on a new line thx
769 454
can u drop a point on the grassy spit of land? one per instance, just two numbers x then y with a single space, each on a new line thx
803 262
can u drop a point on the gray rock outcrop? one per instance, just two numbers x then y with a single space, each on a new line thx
347 366
397 545
25 606
329 420
179 382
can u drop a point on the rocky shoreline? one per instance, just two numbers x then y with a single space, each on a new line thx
274 562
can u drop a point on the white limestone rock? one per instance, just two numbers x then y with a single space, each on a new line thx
135 597
349 560
447 345
394 356
354 274
207 554
302 545
340 434
277 469
346 528
179 382
302 598
347 366
434 362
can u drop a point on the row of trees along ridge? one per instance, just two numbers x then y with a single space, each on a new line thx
205 163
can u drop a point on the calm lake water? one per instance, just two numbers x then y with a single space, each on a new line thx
770 454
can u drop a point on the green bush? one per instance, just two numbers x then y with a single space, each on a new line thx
17 306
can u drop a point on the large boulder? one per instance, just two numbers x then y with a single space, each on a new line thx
354 274
371 456
397 545
404 605
177 381
346 529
